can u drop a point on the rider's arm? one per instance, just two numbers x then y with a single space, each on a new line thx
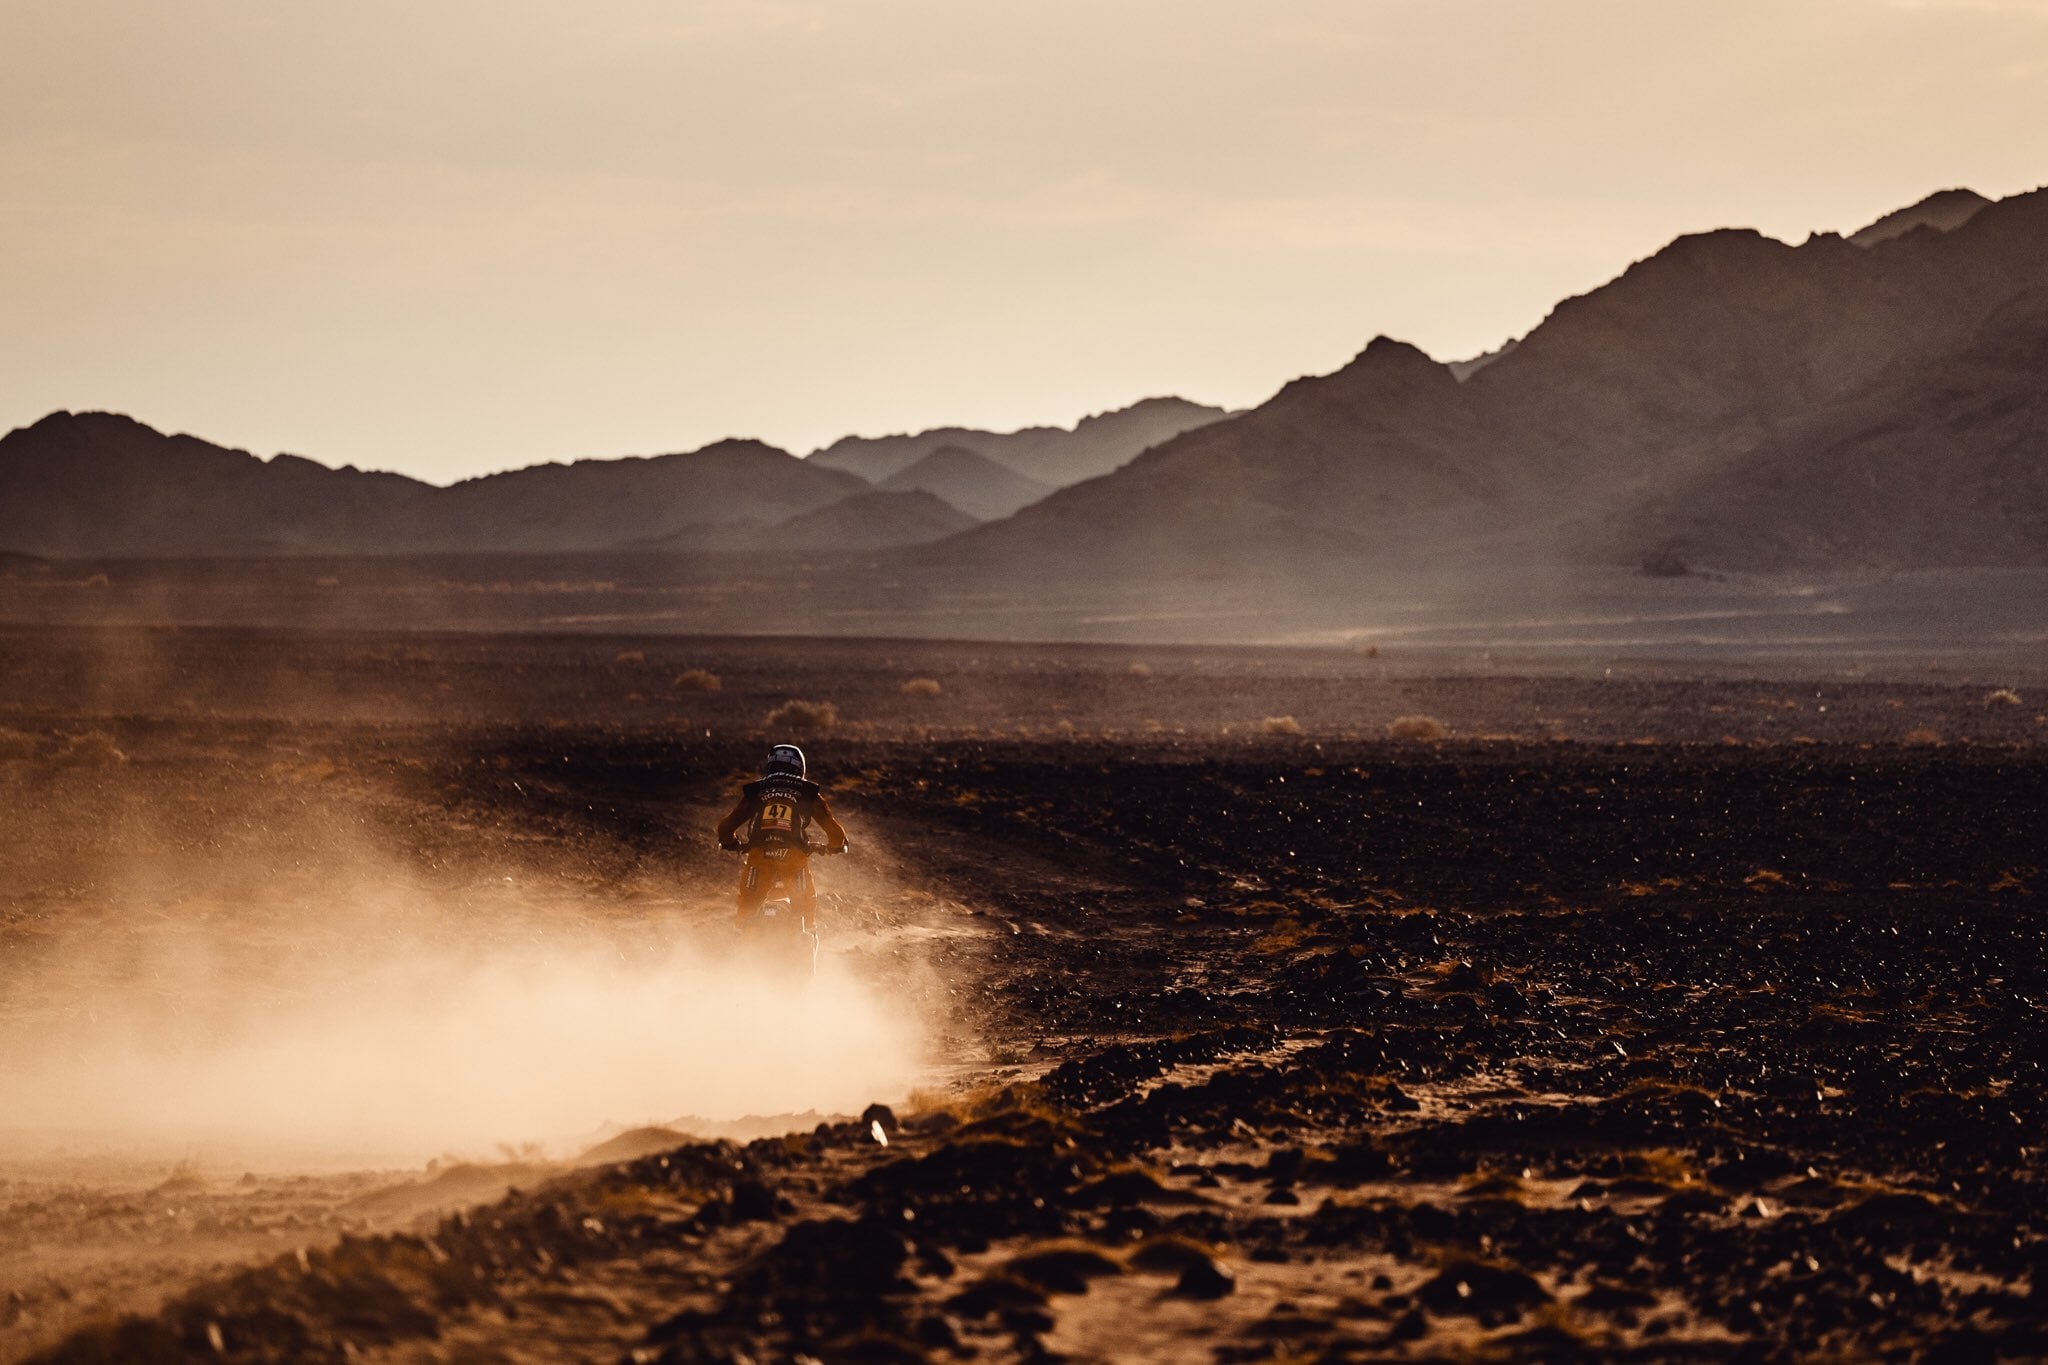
728 828
835 834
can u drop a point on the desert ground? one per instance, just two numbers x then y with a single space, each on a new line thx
373 995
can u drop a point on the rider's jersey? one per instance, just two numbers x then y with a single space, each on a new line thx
777 812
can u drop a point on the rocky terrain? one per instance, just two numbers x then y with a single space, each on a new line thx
1279 1005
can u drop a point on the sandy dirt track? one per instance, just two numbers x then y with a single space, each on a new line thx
1635 1016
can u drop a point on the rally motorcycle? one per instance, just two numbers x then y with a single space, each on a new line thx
777 934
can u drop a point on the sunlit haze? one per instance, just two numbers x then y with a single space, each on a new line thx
468 235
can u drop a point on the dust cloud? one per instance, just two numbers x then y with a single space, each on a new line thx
384 1024
250 937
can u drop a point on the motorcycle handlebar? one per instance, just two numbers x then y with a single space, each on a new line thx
825 849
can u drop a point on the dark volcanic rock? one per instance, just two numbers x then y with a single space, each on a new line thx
1478 1289
1205 1279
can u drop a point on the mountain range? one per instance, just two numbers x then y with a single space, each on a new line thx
1732 402
983 488
103 484
1054 456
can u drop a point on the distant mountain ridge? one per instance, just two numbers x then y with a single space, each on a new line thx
1942 211
100 484
1052 455
969 481
1730 402
1633 420
1850 484
872 521
105 484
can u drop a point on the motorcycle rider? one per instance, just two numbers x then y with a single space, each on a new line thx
776 812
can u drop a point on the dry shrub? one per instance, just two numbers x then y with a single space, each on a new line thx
922 687
695 680
1923 735
925 1100
630 656
1416 727
815 716
1141 670
98 580
1280 725
1287 934
16 746
2002 696
93 749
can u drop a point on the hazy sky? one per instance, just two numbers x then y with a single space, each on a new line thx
450 236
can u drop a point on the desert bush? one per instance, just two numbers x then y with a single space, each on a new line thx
695 680
1280 725
98 580
93 749
16 746
922 687
1141 670
1923 735
630 656
2002 696
1416 727
816 716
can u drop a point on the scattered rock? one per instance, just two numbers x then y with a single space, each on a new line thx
1490 1292
1062 1269
1206 1278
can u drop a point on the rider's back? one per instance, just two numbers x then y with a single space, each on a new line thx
783 806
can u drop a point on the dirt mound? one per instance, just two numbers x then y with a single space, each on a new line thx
634 1142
